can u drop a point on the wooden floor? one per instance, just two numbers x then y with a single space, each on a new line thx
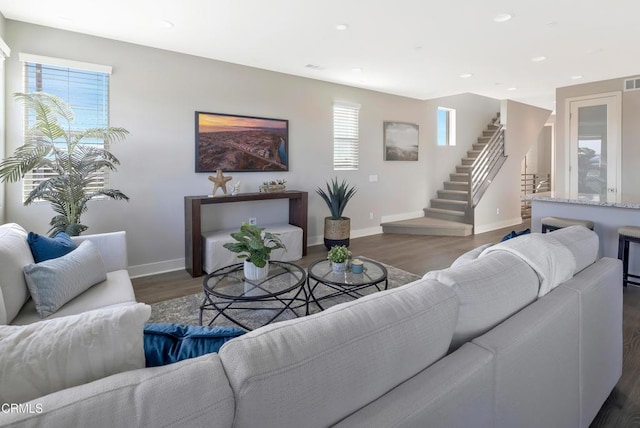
420 254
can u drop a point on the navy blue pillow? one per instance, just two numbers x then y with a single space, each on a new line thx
166 343
45 248
514 234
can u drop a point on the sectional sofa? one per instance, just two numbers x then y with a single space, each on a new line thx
521 334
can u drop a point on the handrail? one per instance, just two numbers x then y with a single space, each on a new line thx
484 168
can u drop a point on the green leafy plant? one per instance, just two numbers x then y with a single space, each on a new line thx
337 196
77 167
254 244
338 254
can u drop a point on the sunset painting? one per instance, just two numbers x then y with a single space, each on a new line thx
241 143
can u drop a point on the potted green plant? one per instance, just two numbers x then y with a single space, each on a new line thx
254 245
52 144
337 229
338 255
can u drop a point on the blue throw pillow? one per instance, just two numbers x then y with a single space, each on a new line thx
166 343
45 248
514 234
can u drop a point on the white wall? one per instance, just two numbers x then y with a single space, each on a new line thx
2 121
500 205
154 94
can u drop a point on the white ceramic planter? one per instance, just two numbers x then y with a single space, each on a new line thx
254 273
339 267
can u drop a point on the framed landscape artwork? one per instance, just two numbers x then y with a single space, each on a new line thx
400 141
241 143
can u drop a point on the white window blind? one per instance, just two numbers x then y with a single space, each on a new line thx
345 136
86 90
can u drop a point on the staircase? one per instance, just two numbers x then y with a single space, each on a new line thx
451 213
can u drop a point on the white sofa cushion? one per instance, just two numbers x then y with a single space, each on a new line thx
582 242
490 289
14 256
316 370
47 356
54 282
116 290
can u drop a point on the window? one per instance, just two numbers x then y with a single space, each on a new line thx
84 86
345 136
446 126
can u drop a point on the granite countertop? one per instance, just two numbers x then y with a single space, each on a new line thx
619 201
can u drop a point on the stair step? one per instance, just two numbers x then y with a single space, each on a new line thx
448 204
428 226
456 185
479 146
462 168
488 133
483 140
457 195
492 127
473 153
442 214
458 176
468 161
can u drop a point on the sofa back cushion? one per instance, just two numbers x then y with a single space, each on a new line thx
14 255
582 242
490 289
316 370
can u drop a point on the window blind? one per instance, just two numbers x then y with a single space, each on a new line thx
86 91
345 136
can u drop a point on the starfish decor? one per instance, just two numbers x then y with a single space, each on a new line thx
219 181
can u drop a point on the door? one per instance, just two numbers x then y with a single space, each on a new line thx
595 158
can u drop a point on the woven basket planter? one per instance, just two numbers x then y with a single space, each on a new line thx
336 232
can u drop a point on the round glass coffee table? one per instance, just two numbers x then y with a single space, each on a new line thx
325 284
252 304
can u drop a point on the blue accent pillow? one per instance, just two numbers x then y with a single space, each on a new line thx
45 248
514 234
166 343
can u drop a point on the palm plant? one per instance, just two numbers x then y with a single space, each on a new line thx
337 196
77 167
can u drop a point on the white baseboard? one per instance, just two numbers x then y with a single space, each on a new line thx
400 217
156 268
497 225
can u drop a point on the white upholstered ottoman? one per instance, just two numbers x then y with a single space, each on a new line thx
215 256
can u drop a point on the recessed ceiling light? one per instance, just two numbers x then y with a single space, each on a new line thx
551 23
166 24
314 67
342 27
356 70
502 17
66 19
512 88
466 75
577 77
539 58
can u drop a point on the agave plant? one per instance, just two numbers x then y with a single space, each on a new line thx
337 196
53 145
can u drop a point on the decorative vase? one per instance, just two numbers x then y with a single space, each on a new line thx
339 267
336 232
254 273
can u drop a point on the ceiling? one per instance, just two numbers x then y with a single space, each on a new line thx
413 48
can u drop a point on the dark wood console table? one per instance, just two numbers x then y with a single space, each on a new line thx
193 221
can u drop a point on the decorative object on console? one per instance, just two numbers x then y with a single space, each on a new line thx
241 143
235 188
54 146
401 141
254 245
273 186
338 256
337 228
219 182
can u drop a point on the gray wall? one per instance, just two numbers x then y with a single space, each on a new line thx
630 132
154 94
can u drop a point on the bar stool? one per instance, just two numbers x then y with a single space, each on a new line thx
550 224
627 234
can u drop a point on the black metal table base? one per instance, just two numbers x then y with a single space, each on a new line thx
341 290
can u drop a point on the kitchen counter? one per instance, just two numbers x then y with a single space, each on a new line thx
623 201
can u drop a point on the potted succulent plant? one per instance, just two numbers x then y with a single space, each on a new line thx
337 228
338 256
254 245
